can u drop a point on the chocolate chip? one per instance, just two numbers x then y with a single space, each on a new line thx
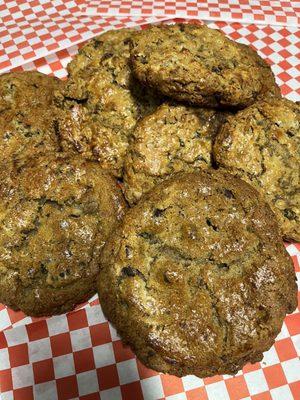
210 224
143 59
216 70
128 271
151 353
223 266
97 43
43 269
158 213
228 193
289 214
148 236
145 235
201 158
290 133
131 272
106 56
128 251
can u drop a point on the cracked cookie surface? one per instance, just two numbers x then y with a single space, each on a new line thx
55 216
26 116
174 138
261 145
199 65
101 101
196 278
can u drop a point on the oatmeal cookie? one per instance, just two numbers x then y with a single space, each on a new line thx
27 125
196 278
196 64
56 214
101 101
261 145
172 139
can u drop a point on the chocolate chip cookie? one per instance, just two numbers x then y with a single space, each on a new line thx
196 278
102 102
55 216
26 116
261 145
198 65
172 139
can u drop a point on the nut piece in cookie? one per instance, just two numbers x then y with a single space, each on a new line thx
199 65
172 139
196 278
26 116
261 145
101 101
55 216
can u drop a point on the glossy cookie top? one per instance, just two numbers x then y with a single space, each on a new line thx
56 214
196 278
101 101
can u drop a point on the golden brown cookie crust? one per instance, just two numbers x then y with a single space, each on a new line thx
55 217
196 64
102 102
172 139
261 145
26 115
196 278
269 85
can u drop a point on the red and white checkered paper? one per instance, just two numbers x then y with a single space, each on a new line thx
79 355
279 45
33 29
246 11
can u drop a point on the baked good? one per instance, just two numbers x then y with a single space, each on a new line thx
173 138
261 145
102 102
269 85
56 214
26 116
196 64
196 278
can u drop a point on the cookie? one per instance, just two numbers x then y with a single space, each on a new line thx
261 145
269 85
26 115
55 216
172 139
196 278
102 102
196 64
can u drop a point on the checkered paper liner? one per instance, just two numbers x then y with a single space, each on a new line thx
246 11
33 29
79 355
280 46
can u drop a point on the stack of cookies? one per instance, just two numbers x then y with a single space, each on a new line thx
164 172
